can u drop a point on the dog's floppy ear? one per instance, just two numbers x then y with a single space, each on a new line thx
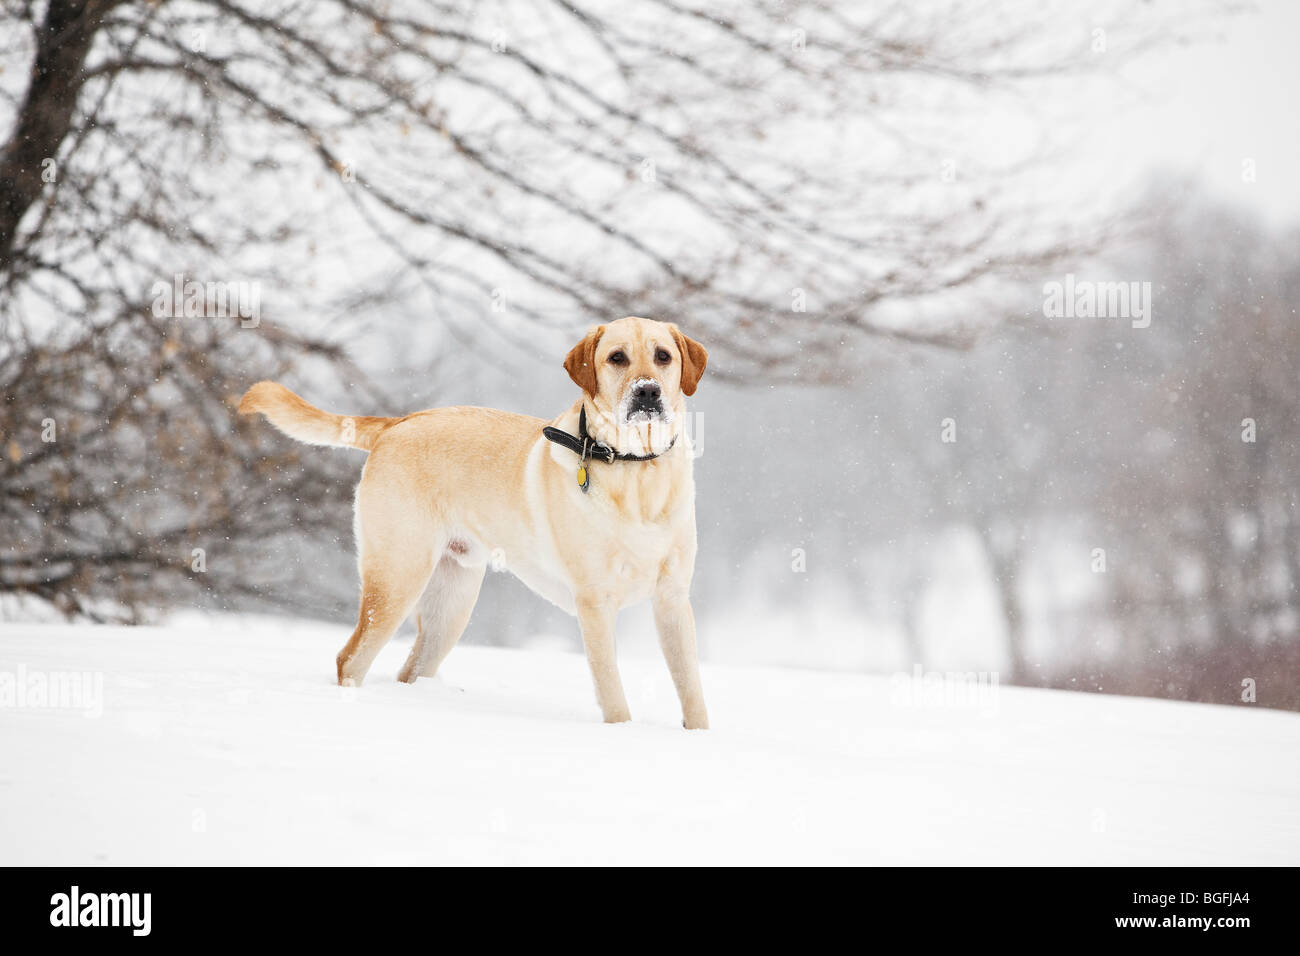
694 357
581 360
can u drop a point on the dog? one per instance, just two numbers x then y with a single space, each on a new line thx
593 511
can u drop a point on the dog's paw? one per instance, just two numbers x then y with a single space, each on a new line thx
696 722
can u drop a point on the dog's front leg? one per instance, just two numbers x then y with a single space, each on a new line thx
596 615
675 622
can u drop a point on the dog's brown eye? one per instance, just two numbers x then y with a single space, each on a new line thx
617 358
662 357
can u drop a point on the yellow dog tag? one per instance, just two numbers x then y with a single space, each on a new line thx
584 480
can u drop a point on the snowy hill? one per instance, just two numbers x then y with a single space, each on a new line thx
227 742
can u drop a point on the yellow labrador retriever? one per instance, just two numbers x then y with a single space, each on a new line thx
594 511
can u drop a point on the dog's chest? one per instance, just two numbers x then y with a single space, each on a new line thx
616 537
624 542
634 559
637 496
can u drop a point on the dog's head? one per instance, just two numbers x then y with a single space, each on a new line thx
635 373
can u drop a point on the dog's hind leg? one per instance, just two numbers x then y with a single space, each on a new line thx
444 612
387 595
397 556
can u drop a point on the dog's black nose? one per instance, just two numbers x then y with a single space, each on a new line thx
646 393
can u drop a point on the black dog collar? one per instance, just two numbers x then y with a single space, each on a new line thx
585 447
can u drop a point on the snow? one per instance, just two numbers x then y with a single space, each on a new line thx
225 741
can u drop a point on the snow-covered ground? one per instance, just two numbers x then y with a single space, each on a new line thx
226 741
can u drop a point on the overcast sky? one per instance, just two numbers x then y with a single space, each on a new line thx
1209 107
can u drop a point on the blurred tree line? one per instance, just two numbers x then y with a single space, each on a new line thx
1131 490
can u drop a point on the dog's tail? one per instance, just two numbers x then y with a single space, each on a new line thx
307 423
